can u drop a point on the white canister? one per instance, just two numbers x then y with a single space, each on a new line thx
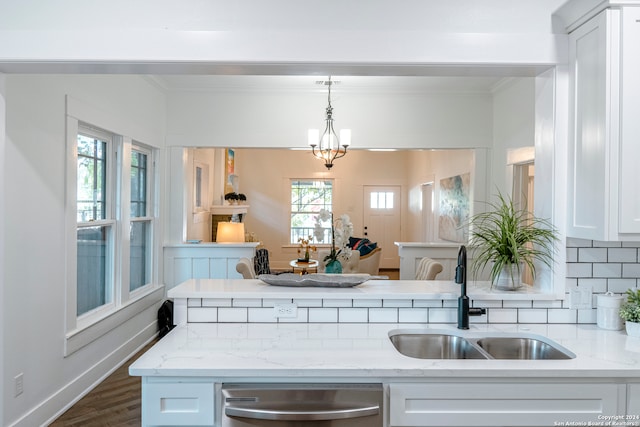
608 308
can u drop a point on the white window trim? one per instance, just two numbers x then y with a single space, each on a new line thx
83 330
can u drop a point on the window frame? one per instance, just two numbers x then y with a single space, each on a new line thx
82 330
291 212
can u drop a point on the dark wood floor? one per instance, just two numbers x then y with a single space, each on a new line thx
114 402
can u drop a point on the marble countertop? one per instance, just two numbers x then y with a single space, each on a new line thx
325 351
371 289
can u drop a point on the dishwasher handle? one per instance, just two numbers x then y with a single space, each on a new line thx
301 415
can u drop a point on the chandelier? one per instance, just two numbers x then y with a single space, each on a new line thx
329 147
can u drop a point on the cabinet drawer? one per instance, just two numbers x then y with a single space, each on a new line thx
178 403
501 404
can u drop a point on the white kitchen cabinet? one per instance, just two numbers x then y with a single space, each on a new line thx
604 136
502 403
633 401
177 402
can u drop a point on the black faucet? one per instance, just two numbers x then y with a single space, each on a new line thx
463 302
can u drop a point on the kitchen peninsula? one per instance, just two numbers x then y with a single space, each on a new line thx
229 333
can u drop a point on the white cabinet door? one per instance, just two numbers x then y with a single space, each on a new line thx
633 402
177 403
590 151
502 404
603 196
630 120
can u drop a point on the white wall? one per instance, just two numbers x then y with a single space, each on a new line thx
259 117
34 241
432 166
279 36
265 178
514 105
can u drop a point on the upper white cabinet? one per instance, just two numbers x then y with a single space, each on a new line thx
604 131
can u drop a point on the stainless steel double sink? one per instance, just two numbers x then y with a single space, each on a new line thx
440 344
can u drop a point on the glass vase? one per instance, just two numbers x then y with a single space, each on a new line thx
333 267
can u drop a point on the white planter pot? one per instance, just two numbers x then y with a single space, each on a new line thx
633 329
510 278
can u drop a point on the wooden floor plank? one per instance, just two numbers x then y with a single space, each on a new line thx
115 402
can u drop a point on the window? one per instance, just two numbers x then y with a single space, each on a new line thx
140 229
381 200
308 197
110 222
95 232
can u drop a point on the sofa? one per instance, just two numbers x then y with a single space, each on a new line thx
356 263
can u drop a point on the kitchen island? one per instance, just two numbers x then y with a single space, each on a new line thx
183 373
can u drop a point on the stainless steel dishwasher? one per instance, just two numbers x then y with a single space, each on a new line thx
302 405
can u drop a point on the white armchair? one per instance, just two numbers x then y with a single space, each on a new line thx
350 266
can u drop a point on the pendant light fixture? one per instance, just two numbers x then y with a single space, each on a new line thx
329 147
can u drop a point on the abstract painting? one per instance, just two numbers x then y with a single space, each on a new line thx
454 208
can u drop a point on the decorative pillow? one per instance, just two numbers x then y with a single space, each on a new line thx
364 246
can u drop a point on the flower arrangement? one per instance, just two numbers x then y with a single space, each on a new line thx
630 310
341 230
305 248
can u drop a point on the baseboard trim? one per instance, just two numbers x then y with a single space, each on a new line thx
72 392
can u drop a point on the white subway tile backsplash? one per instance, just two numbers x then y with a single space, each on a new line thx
397 303
578 243
623 255
619 286
503 315
608 270
414 315
216 302
194 302
631 270
598 285
420 303
247 302
383 315
450 303
592 255
315 302
547 304
232 315
302 317
517 304
537 315
353 315
337 303
261 315
271 302
562 316
443 315
486 304
599 244
587 315
202 315
367 303
576 269
572 255
323 315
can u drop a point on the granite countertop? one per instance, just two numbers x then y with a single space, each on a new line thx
326 351
371 289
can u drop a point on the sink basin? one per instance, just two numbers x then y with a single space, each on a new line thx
445 344
521 348
435 346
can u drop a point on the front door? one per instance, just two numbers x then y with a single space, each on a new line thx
381 221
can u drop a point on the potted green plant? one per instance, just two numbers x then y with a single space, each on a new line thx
231 197
630 313
508 238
